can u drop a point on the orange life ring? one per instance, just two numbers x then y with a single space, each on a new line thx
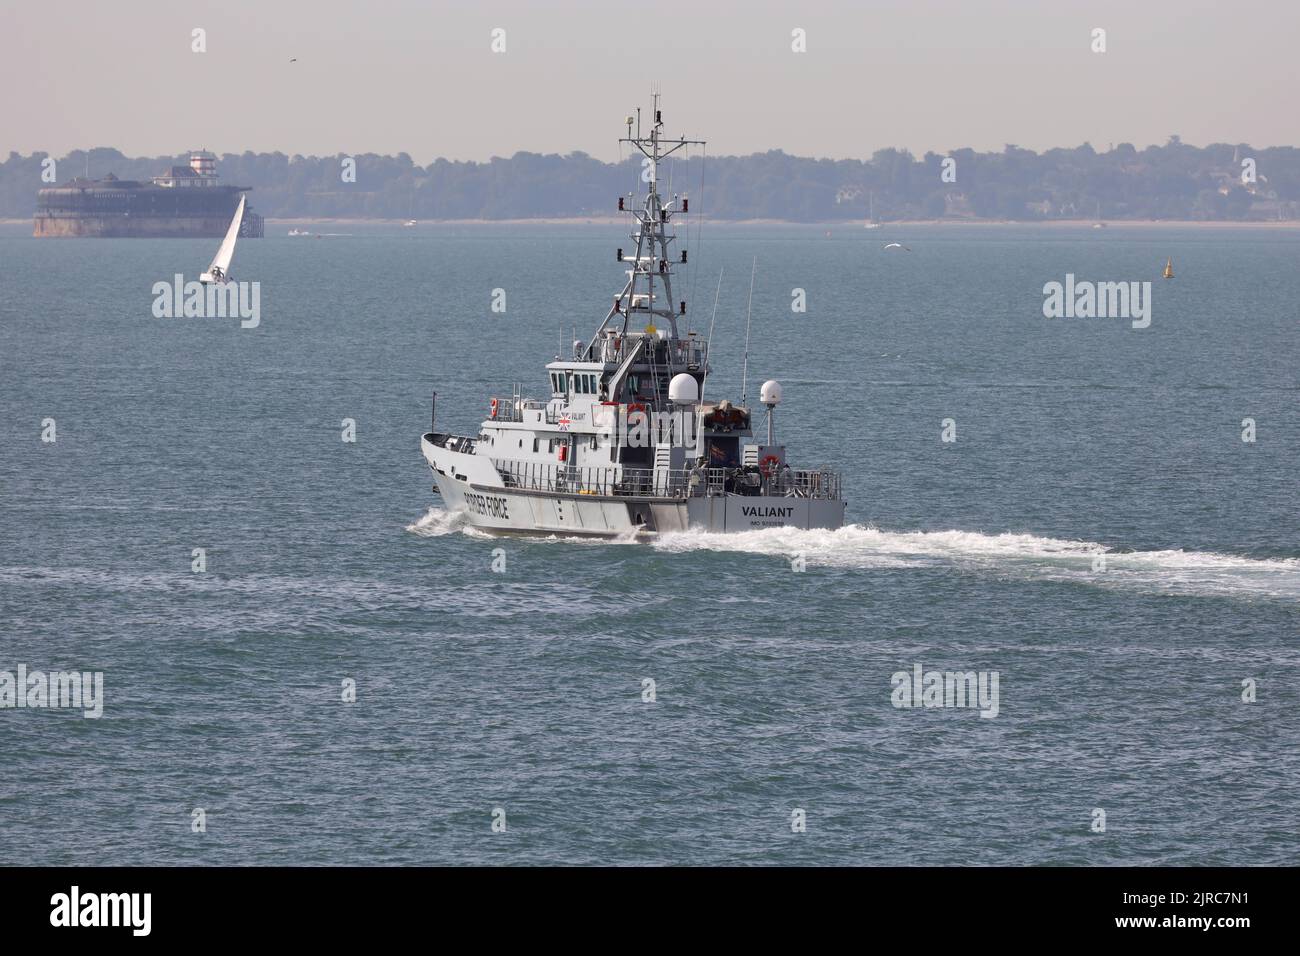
494 408
769 465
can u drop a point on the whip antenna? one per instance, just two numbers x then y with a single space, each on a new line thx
709 342
744 374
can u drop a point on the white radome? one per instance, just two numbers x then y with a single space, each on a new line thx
770 393
683 389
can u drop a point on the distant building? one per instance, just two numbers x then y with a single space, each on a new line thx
185 201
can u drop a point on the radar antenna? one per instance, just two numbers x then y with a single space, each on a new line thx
648 292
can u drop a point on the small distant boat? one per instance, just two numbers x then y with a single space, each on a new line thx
871 216
1169 268
219 271
409 222
299 232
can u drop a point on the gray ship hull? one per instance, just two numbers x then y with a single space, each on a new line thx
469 484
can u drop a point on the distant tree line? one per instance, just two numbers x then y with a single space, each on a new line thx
1173 181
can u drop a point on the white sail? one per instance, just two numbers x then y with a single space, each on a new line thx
219 270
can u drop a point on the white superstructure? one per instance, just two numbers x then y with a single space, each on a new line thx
623 439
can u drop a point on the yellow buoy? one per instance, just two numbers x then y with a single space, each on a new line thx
650 329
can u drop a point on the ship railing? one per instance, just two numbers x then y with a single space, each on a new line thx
457 443
661 483
785 483
608 481
508 411
683 353
807 484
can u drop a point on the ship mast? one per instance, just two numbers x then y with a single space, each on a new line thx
649 291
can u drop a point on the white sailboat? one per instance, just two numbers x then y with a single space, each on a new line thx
871 217
219 270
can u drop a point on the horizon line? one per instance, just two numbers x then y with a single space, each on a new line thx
1173 139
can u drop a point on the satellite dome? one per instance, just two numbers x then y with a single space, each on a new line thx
683 389
770 393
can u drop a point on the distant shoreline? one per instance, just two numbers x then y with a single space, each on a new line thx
845 224
850 224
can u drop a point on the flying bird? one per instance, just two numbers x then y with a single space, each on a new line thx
897 245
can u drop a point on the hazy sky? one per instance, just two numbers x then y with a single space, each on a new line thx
397 75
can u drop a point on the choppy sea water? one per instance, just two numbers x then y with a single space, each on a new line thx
1120 689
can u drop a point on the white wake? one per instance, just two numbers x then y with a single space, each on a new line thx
437 522
1027 555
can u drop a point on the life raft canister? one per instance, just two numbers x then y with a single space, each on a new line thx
494 408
